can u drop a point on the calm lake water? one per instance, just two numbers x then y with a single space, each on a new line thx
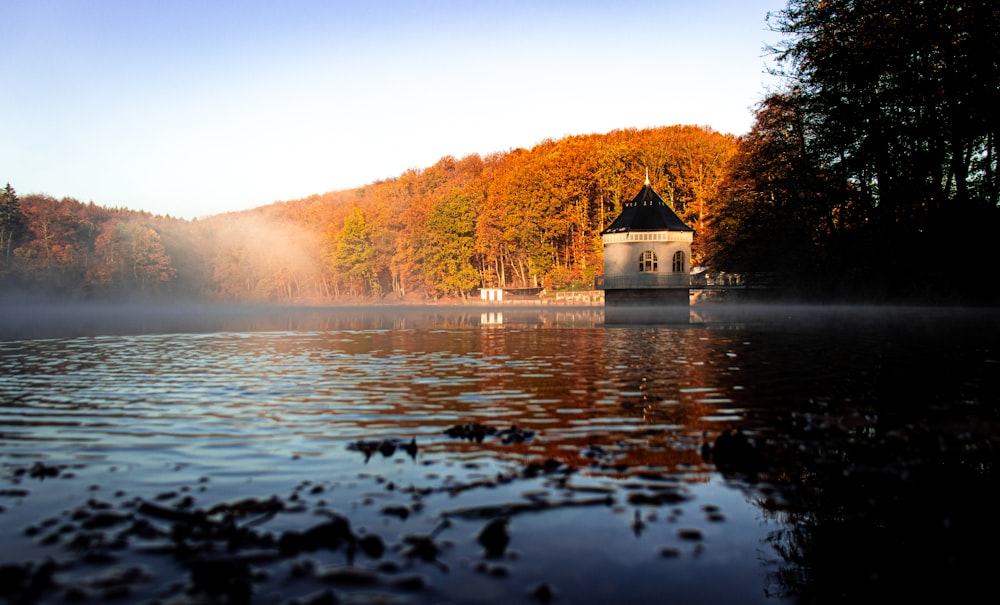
739 454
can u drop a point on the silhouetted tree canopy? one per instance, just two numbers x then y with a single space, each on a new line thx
874 172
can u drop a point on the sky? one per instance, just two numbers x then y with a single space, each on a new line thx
190 108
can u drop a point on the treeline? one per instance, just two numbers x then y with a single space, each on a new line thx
518 218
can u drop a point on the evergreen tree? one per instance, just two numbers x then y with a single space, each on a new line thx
12 226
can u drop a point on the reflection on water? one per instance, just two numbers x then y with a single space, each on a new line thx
742 454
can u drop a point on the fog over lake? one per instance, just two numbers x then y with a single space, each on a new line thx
495 454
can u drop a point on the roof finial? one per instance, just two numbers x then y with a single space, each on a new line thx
647 176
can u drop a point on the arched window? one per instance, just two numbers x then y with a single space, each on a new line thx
647 261
679 262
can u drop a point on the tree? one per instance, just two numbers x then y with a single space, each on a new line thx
352 256
901 94
449 246
131 258
894 161
11 225
772 212
700 157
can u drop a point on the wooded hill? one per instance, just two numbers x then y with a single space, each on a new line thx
526 217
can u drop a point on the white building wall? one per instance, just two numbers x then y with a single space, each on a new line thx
621 258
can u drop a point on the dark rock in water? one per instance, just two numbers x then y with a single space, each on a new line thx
411 448
349 576
424 548
248 506
396 510
386 447
670 552
302 569
689 534
372 546
410 582
25 583
499 571
171 514
658 497
515 435
41 470
543 593
470 431
734 452
330 534
105 519
224 577
421 547
550 465
494 537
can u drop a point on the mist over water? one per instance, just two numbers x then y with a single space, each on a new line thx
734 453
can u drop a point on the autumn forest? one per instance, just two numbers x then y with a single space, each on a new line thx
873 174
520 218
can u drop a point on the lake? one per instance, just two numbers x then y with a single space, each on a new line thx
734 454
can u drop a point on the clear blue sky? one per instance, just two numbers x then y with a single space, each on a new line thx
195 107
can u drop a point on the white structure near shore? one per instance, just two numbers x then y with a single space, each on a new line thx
491 294
647 254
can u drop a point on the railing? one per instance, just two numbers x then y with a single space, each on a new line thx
707 279
721 279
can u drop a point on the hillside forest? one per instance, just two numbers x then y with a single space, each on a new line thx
527 218
871 174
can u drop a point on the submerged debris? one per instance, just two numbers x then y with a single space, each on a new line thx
25 582
515 435
658 497
330 535
40 470
222 577
473 431
424 548
386 447
733 452
543 593
494 538
220 547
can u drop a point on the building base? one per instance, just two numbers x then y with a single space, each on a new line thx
662 306
646 297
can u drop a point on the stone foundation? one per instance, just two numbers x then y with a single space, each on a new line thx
648 297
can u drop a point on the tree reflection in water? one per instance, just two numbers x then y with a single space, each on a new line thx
878 453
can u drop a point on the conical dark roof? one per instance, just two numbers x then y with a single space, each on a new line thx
647 212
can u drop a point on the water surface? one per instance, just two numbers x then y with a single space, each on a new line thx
858 447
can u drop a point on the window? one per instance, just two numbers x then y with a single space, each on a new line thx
679 262
647 261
